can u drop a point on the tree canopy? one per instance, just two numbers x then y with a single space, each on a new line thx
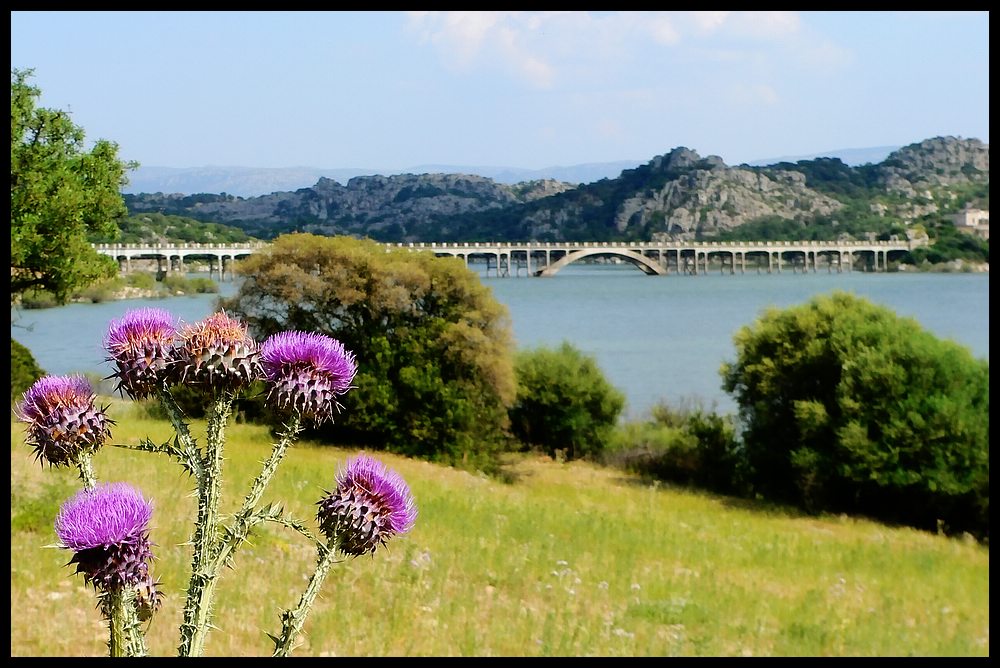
59 193
848 407
434 347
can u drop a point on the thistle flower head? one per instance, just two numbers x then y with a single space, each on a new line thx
217 352
306 372
369 506
140 345
107 530
62 420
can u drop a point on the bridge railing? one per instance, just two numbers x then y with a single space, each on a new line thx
543 245
539 245
183 246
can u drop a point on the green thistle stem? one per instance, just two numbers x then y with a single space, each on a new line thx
244 520
184 438
135 639
85 464
260 483
191 463
293 620
201 591
115 606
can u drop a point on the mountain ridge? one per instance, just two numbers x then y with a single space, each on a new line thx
257 181
677 195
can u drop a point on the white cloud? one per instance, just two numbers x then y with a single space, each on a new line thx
469 40
530 66
662 29
708 21
766 25
545 49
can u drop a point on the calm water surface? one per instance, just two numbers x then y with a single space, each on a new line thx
655 338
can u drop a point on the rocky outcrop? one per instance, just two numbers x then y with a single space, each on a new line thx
715 197
940 161
677 195
365 205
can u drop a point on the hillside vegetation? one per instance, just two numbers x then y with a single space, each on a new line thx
154 228
568 559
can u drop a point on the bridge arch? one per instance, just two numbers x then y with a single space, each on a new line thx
648 266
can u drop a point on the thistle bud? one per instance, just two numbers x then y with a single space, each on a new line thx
370 505
216 352
62 420
306 372
140 345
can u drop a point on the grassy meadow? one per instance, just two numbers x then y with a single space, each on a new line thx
566 559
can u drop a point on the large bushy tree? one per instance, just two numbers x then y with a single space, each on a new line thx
434 347
848 407
59 193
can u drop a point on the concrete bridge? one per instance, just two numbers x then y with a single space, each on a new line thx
661 258
655 258
170 257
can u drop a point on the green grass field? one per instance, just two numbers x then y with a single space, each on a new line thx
569 559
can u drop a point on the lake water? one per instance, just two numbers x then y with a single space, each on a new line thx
654 337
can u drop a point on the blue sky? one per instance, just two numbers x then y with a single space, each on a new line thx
390 90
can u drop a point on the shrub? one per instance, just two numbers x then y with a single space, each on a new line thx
175 283
34 298
142 280
685 444
101 291
564 402
847 407
203 285
24 370
652 449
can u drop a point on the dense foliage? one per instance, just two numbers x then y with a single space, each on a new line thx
433 346
24 370
687 445
847 407
59 194
949 244
160 228
564 402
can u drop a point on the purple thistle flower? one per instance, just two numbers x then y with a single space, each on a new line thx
217 352
370 505
307 371
140 344
62 420
107 530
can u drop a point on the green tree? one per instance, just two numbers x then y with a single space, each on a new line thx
563 402
848 407
59 193
433 346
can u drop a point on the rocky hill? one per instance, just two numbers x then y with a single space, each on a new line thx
678 195
941 161
256 181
